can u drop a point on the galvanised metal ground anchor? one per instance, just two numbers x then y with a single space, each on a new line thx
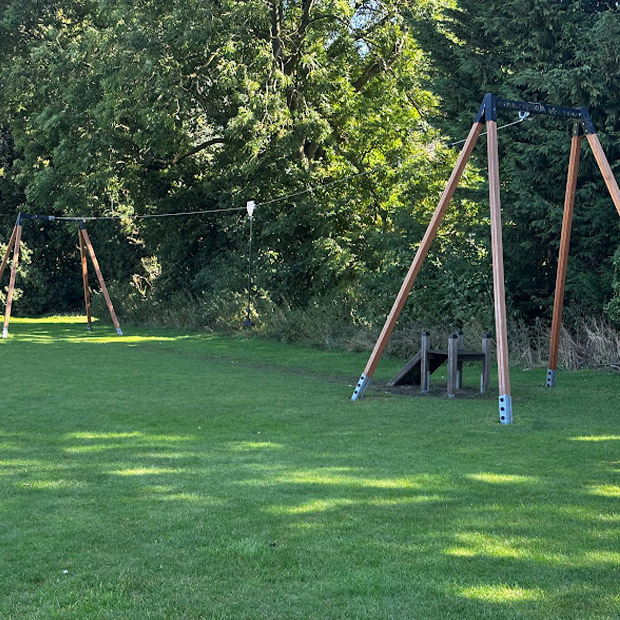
360 388
505 409
550 378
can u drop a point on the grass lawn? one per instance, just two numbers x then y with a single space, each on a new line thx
165 474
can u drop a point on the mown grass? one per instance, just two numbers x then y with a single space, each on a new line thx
171 475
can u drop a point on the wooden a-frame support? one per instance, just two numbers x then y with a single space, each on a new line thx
487 115
567 220
14 244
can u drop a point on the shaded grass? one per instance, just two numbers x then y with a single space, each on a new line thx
174 475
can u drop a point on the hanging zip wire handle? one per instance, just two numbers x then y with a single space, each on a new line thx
250 206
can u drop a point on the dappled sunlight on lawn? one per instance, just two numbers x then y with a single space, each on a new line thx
501 593
582 514
146 471
602 557
597 438
9 465
605 490
471 544
322 505
87 435
333 476
93 442
318 505
532 550
503 478
160 460
192 498
244 446
146 437
260 503
73 329
52 484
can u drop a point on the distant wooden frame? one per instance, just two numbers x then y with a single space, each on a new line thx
15 243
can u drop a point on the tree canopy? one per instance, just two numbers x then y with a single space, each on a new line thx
109 107
556 52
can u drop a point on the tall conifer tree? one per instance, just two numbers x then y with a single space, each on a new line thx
561 52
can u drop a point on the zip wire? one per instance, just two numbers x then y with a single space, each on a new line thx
317 187
522 117
142 217
371 170
314 188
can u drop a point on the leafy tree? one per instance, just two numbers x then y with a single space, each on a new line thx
124 109
556 52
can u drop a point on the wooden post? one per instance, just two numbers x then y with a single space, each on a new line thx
485 375
560 281
453 354
425 374
9 296
104 288
414 269
85 281
459 365
9 247
605 168
503 368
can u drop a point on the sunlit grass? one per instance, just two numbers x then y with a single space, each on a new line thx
503 478
242 446
332 479
57 320
144 471
605 490
598 438
166 474
323 505
501 593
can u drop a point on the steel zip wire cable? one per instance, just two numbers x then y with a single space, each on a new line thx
91 218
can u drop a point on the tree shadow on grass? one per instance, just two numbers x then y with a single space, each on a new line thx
286 528
171 486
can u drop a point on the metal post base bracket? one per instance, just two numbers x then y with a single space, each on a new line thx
505 409
119 331
550 378
5 332
360 388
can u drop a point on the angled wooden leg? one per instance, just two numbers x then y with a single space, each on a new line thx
104 288
414 269
503 367
603 164
85 281
560 281
9 247
9 296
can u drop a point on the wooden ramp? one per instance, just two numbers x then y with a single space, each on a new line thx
426 361
410 374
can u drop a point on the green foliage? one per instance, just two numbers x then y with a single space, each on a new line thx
122 109
557 52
